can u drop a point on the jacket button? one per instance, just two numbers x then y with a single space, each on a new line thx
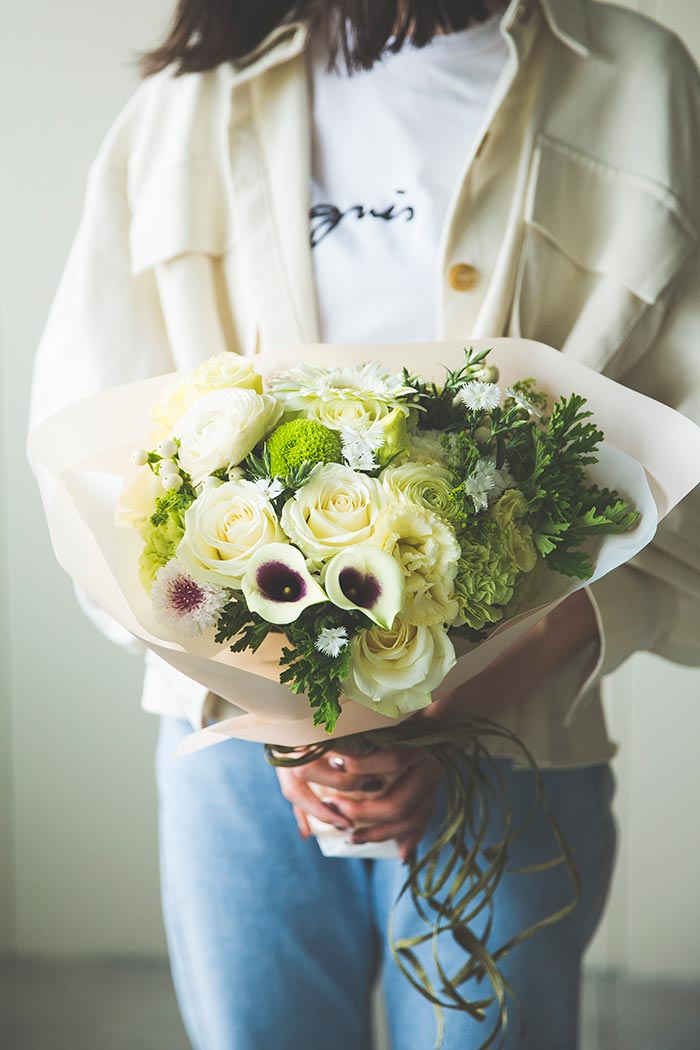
463 276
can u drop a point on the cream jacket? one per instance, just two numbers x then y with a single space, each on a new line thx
577 211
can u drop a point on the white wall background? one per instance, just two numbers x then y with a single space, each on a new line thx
78 866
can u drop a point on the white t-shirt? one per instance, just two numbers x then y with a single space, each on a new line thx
388 147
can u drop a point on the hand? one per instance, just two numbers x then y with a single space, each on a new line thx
527 664
391 794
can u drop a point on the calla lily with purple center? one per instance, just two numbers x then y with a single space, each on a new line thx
368 579
278 586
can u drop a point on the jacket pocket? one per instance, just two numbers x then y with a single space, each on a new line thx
181 209
601 245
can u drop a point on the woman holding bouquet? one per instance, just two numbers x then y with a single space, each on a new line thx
465 169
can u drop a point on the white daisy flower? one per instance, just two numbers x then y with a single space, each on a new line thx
308 383
359 447
183 603
480 397
271 487
487 483
331 641
523 402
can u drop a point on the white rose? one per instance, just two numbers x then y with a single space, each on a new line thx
395 671
428 551
221 428
224 528
335 509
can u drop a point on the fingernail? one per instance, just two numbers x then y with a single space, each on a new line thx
371 784
358 840
335 762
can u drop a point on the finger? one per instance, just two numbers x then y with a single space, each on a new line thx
320 773
399 800
296 791
302 822
377 763
411 828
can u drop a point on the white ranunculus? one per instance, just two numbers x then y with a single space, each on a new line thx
221 370
427 484
221 428
427 549
395 671
335 509
224 528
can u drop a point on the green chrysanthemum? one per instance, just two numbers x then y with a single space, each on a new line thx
302 441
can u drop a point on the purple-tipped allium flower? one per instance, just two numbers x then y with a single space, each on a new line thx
183 603
368 579
278 586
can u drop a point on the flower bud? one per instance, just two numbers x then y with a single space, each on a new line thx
168 466
166 448
172 481
140 457
488 374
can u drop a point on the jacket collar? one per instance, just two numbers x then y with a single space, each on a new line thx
566 19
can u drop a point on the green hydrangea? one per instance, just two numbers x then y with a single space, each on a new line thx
301 441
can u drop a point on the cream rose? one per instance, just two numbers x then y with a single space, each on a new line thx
226 370
224 528
335 509
221 428
221 370
395 671
427 484
427 550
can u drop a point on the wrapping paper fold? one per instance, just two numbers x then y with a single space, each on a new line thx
92 493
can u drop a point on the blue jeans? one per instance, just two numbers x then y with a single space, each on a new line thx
275 947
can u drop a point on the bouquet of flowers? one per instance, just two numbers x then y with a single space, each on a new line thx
369 517
330 549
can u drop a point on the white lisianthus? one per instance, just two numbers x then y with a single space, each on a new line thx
427 484
224 528
427 550
395 671
302 387
335 509
221 428
222 370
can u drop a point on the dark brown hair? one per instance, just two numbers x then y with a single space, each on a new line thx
204 33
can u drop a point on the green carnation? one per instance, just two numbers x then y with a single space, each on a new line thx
486 575
508 512
162 533
302 441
